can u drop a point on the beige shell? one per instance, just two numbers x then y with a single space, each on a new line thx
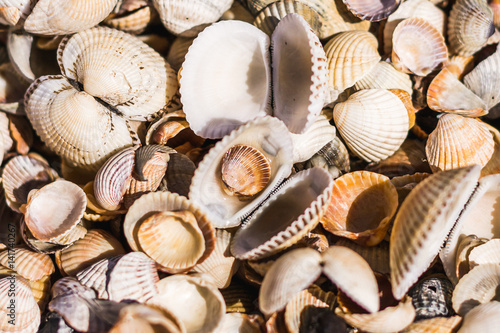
96 245
464 247
424 220
486 253
470 24
333 157
12 11
305 145
30 265
376 256
350 55
493 166
458 142
426 51
483 318
178 50
172 250
241 322
372 10
143 318
66 17
199 297
361 207
133 16
373 123
41 291
435 325
384 76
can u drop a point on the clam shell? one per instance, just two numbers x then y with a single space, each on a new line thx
20 51
180 171
188 18
66 17
199 297
177 51
41 291
485 254
142 318
117 68
70 285
470 24
384 76
12 11
172 246
463 250
312 140
350 55
131 20
458 142
376 256
300 203
424 220
373 123
476 287
98 133
30 265
96 245
361 207
435 325
483 318
426 52
372 10
268 135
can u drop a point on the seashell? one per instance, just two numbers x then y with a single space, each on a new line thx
300 203
51 216
98 135
347 214
142 318
132 79
350 55
26 311
307 304
54 322
12 89
376 256
434 325
271 138
463 250
470 25
486 253
220 265
431 297
427 52
239 298
70 285
132 16
21 133
424 9
493 165
41 291
20 51
431 209
312 140
23 174
476 287
240 322
458 142
483 318
180 171
391 319
172 130
333 157
384 76
177 236
238 11
200 297
96 245
407 101
383 117
177 51
188 18
269 17
67 17
30 265
372 11
13 12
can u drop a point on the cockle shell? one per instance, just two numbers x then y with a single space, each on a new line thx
142 318
41 291
486 253
373 123
464 247
384 76
435 325
131 16
376 256
332 157
361 207
12 11
372 10
424 220
307 144
483 318
177 51
458 142
67 17
30 265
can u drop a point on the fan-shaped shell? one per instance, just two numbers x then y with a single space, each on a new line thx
142 318
458 142
117 68
435 325
483 318
307 144
372 10
30 265
385 76
13 10
487 253
373 123
376 256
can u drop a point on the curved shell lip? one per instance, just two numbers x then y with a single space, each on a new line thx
385 8
298 227
272 138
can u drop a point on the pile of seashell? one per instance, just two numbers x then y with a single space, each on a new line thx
250 166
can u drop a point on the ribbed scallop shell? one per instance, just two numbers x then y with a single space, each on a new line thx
142 318
435 325
165 202
300 203
376 256
426 51
13 10
241 76
117 68
424 220
298 71
26 314
54 210
487 253
188 18
179 173
199 297
470 24
458 142
493 166
476 287
41 291
177 51
350 55
361 207
332 157
66 17
305 145
483 318
464 247
372 10
131 20
70 285
270 136
30 265
385 76
22 174
373 123
73 124
96 245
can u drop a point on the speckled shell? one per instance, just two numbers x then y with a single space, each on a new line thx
431 297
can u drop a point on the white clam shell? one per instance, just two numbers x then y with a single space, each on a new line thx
307 144
484 318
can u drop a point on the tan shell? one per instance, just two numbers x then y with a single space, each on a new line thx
66 17
350 55
133 16
483 318
465 245
458 142
178 50
30 265
361 206
96 245
435 325
11 11
384 76
142 318
41 291
240 322
431 209
486 253
376 256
